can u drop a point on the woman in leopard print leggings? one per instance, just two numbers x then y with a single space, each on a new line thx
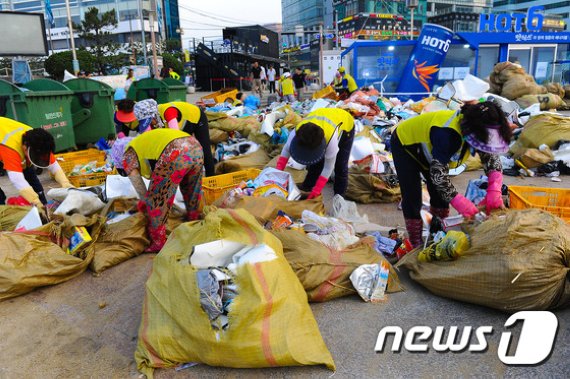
178 164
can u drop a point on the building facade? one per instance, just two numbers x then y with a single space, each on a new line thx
552 8
458 15
369 19
128 13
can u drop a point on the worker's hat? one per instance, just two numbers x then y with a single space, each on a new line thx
341 69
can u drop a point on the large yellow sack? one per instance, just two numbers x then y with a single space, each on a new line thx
257 159
517 262
365 188
266 208
542 129
519 86
30 259
325 273
270 322
120 242
547 101
11 215
217 136
555 88
243 125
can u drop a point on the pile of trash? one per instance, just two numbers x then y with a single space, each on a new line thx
511 81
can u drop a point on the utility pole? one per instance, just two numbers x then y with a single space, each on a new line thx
321 54
75 62
134 54
337 37
153 42
143 38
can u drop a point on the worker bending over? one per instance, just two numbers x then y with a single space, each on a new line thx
322 142
169 158
431 143
22 149
344 83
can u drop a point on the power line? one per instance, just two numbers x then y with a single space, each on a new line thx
216 17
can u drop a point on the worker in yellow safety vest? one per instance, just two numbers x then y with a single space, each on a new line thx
344 83
322 142
177 115
22 149
173 74
169 158
287 88
193 120
432 143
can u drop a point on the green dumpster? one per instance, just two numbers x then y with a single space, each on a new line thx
92 108
41 103
176 88
159 90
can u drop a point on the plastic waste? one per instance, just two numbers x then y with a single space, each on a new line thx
370 281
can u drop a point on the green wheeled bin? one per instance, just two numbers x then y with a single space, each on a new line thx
92 110
149 89
176 89
159 90
41 103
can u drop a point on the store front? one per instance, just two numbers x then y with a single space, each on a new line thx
544 55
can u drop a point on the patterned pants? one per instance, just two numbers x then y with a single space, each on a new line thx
181 165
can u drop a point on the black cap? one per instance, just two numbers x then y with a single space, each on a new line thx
307 155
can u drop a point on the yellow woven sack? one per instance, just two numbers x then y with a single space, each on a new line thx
270 322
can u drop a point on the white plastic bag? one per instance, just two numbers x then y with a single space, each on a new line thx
30 221
79 201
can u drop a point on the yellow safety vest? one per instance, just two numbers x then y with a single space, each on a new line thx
150 145
287 87
352 86
174 75
11 133
417 131
186 112
330 119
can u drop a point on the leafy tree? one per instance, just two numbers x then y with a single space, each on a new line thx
172 45
57 63
173 60
95 29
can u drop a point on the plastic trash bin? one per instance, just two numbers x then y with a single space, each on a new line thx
92 110
41 103
176 89
163 91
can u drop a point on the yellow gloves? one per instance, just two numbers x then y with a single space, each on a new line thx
60 177
31 196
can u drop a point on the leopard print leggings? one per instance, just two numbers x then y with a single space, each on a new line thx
181 164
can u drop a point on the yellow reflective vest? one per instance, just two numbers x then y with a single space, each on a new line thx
11 133
150 145
287 86
330 119
417 130
351 83
186 112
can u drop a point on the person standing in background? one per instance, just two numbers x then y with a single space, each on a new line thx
130 79
287 88
299 80
263 77
256 76
271 78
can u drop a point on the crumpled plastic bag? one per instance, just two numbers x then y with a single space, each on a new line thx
76 201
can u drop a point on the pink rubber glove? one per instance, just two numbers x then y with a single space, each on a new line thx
121 135
464 206
282 163
494 199
318 188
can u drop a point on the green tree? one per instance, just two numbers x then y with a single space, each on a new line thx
95 29
57 63
172 45
173 60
